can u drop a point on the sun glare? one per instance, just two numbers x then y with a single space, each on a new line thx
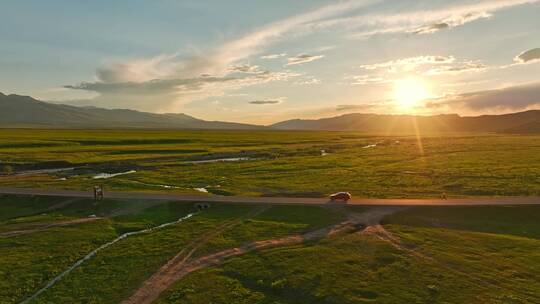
409 93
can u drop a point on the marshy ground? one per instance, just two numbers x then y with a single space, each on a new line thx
264 163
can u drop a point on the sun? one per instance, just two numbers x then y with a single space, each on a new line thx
409 93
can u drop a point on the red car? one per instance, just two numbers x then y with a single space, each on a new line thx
343 196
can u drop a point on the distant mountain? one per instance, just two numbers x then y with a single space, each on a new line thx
521 122
25 111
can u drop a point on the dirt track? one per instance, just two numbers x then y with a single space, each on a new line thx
166 275
181 265
44 227
528 200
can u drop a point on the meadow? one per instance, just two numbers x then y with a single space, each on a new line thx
34 251
272 163
462 254
433 255
466 254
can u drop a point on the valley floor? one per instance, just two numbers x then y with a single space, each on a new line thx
272 163
242 253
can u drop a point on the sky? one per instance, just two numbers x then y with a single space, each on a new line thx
266 61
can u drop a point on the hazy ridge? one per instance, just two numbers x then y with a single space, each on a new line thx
25 111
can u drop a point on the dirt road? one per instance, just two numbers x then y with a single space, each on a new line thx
528 200
167 274
46 226
182 264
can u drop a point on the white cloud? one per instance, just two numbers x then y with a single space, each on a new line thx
303 58
460 67
409 63
529 56
420 21
308 80
426 65
366 79
274 56
139 70
178 76
165 95
217 60
246 68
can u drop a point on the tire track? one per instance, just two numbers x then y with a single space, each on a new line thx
95 251
44 227
382 234
180 265
166 275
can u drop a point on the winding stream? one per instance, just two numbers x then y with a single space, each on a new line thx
110 175
216 160
95 251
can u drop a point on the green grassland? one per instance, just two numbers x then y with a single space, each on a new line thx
31 260
465 254
446 262
279 164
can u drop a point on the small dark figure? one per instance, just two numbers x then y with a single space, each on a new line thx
202 206
443 196
98 192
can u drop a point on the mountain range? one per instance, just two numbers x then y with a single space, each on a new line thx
25 111
520 122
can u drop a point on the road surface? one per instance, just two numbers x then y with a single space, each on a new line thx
528 200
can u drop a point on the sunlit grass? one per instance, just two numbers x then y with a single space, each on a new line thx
281 163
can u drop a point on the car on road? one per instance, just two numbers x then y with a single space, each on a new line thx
340 196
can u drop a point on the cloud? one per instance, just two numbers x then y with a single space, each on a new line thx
383 105
366 79
410 62
165 95
461 67
139 70
451 22
513 98
167 80
152 87
532 55
216 61
307 80
354 107
180 75
429 65
303 58
264 102
426 21
431 28
425 65
246 68
166 86
274 56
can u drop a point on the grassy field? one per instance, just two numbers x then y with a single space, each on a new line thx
273 163
468 254
463 254
32 259
447 262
